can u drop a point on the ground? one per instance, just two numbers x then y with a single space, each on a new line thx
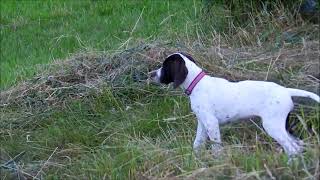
75 102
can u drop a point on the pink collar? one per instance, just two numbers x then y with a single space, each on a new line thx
195 82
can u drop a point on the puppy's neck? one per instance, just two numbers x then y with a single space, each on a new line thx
193 71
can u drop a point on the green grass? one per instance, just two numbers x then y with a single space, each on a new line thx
37 32
90 138
136 131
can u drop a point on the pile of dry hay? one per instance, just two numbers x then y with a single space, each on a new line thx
87 73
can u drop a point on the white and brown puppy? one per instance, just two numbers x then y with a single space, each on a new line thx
217 101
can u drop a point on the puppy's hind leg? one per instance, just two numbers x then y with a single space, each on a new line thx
290 127
275 127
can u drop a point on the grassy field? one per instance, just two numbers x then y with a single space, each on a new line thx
34 32
75 103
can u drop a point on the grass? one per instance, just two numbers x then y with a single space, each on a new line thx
93 116
35 32
91 139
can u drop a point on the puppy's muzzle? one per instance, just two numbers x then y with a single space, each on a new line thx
153 76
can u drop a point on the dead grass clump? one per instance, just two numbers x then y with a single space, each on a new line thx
87 73
82 74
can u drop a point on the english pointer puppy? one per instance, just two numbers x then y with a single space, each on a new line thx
217 101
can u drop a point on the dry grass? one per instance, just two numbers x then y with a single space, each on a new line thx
85 73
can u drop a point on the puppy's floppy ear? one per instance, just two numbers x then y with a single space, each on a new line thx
174 70
181 73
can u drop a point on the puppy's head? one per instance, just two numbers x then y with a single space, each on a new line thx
173 70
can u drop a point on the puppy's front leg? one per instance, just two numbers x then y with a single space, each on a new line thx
201 137
211 125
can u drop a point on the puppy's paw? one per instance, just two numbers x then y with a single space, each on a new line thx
216 149
197 152
294 160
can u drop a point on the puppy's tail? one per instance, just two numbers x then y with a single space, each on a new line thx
303 93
